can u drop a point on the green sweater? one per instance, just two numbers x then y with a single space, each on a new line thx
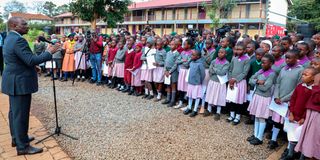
228 56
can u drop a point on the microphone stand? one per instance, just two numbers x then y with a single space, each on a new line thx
57 130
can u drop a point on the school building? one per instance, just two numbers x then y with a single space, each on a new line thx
264 17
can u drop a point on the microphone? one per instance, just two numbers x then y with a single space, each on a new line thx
41 38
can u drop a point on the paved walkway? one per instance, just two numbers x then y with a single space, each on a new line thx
52 151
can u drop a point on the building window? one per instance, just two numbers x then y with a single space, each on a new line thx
169 26
180 25
157 26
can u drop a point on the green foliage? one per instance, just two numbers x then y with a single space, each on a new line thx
111 11
61 9
49 8
32 34
13 6
308 10
3 27
219 9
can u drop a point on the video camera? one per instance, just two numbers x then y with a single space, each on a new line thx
192 33
221 32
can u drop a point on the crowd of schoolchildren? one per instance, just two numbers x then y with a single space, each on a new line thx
203 73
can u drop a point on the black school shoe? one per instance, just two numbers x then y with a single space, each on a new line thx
193 114
251 138
187 111
206 113
150 97
171 104
165 102
273 144
145 96
256 141
217 117
235 122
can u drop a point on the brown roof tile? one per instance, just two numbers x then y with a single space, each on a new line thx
30 16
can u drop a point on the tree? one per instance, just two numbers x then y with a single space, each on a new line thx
308 10
110 11
38 7
62 9
218 9
13 6
49 8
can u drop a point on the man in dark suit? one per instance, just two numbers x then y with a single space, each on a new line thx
19 81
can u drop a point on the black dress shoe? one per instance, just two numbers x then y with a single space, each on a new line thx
255 141
251 138
29 150
273 145
165 102
13 143
193 114
187 111
171 104
92 81
150 97
217 117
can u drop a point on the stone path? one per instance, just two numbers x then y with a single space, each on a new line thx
52 151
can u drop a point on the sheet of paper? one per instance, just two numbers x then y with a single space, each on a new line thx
134 73
167 80
187 76
250 95
150 61
49 64
232 94
223 79
105 69
280 109
293 130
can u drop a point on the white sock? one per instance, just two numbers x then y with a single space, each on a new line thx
146 91
196 105
262 127
275 132
180 103
232 114
83 77
151 93
218 109
78 76
256 127
238 116
190 103
109 81
159 95
210 108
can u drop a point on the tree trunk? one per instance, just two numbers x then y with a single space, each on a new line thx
94 21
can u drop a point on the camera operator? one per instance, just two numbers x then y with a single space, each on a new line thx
95 49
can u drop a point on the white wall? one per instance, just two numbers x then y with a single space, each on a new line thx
281 7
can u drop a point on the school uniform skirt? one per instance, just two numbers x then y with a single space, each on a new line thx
182 84
194 91
110 71
216 94
82 64
158 75
309 141
146 75
277 117
136 79
242 92
119 70
259 106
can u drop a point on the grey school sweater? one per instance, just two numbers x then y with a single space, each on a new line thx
196 72
120 56
207 57
239 67
287 81
160 57
171 65
184 56
267 76
220 68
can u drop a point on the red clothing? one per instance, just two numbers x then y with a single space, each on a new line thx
180 49
111 54
137 63
314 100
128 64
128 61
96 47
298 102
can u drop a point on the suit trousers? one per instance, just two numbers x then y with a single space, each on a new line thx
19 119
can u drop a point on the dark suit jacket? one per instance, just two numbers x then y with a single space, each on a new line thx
20 76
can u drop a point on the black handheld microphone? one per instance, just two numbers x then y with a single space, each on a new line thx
41 38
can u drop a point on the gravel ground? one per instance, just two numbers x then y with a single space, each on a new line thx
112 125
